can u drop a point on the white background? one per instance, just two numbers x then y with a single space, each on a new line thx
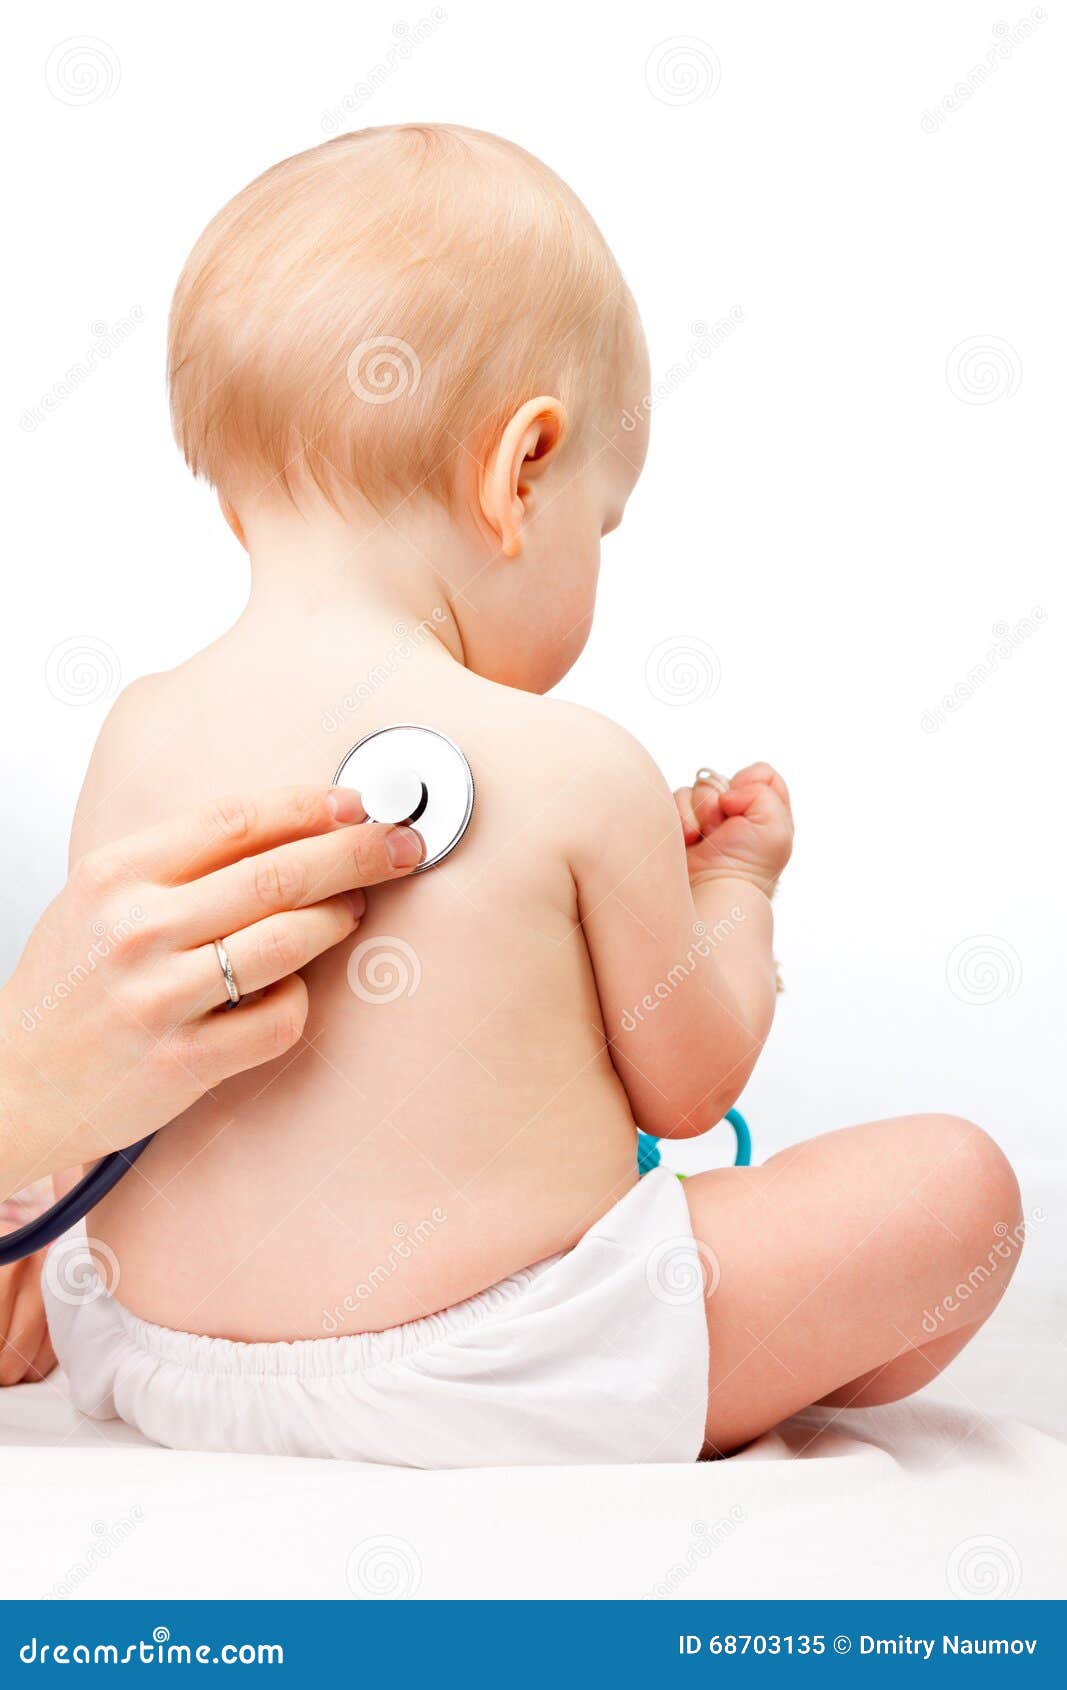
826 504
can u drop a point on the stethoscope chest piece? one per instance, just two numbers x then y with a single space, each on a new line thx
413 774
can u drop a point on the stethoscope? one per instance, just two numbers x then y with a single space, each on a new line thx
404 774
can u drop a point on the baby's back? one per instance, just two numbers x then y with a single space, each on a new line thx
452 1113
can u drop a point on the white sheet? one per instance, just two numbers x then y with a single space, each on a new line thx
962 1490
921 1499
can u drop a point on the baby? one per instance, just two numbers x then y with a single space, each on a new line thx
403 360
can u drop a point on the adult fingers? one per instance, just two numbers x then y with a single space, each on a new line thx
291 877
190 845
217 1046
269 950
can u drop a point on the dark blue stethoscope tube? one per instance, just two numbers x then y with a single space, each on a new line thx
57 1220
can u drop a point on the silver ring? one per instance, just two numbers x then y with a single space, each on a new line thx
232 991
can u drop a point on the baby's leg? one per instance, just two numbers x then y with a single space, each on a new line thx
840 1263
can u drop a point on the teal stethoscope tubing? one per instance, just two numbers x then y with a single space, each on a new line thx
648 1156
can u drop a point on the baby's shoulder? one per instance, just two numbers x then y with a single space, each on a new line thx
586 773
124 766
553 736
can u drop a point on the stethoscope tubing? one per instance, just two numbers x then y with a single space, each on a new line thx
89 1191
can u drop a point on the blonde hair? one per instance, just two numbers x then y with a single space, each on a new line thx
364 311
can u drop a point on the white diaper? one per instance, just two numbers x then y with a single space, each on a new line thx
598 1355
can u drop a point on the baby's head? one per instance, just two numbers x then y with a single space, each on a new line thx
417 322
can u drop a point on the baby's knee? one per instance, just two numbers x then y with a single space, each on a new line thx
977 1191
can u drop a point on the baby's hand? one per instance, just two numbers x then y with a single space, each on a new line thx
740 831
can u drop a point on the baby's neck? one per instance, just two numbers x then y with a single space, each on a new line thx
374 583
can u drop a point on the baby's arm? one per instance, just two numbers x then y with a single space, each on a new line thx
685 975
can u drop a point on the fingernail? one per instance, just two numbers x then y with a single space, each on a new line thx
357 902
404 846
344 804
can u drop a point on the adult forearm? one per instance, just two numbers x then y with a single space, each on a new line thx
20 1148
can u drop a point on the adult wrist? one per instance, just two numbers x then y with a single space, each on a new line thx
16 1111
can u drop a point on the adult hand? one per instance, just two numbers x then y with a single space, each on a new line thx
112 1025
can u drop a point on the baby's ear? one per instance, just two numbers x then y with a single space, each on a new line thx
528 442
233 521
